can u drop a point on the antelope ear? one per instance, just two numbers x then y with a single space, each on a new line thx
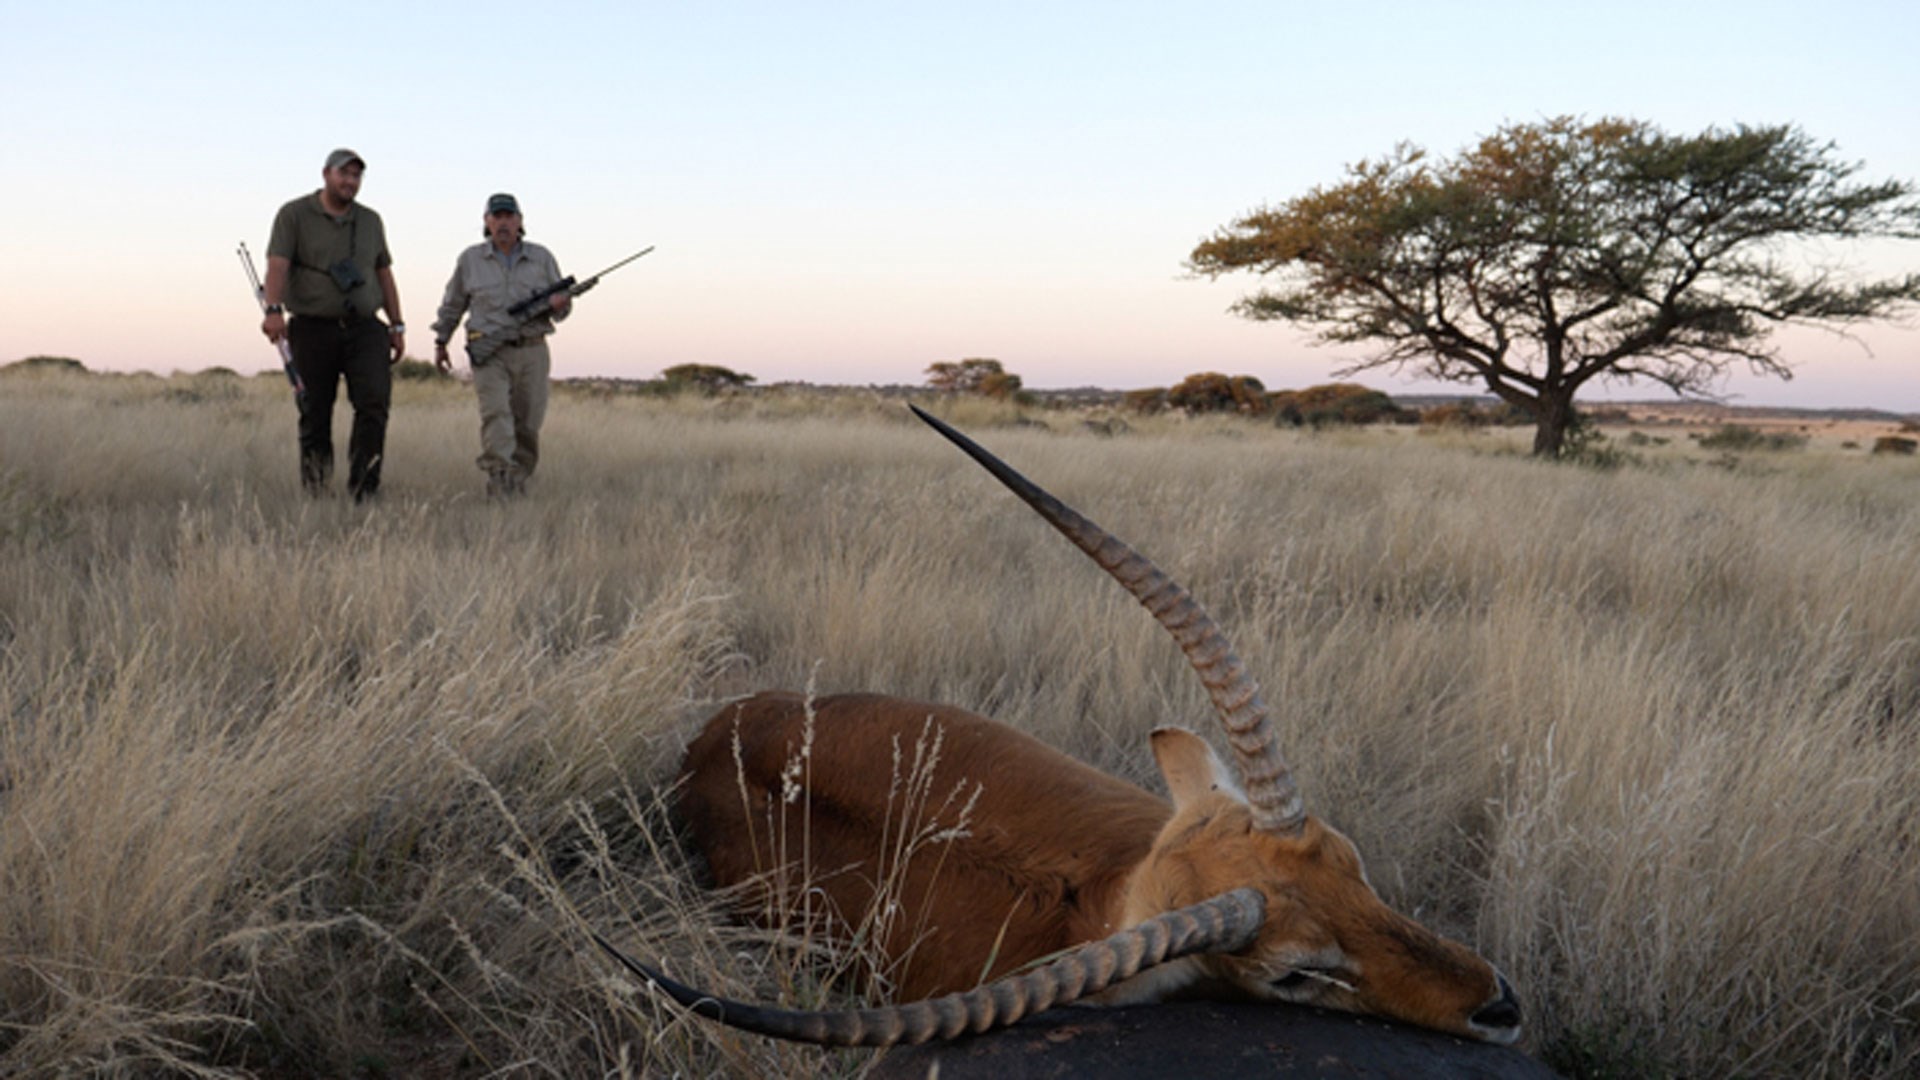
1190 767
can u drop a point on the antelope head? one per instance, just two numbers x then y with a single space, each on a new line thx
1326 938
1242 894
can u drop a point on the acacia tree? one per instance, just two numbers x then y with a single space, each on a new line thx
1557 253
706 378
975 375
1210 391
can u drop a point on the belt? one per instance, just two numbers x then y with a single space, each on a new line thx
342 321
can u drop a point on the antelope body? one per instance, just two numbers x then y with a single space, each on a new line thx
1230 890
1042 865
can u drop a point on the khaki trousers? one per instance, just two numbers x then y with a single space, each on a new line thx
512 388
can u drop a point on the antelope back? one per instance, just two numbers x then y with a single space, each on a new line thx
1021 850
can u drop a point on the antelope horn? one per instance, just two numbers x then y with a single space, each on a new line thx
1271 792
1225 923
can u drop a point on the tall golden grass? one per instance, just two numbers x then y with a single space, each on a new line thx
294 787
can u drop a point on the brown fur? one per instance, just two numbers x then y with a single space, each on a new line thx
1318 903
1057 854
793 796
1048 894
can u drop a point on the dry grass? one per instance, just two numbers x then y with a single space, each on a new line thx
295 788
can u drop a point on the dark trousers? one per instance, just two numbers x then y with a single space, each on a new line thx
325 350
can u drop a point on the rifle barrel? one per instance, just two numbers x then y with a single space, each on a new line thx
253 275
524 308
622 262
282 346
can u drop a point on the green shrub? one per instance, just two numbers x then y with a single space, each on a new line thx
45 363
1738 437
703 378
420 370
1457 414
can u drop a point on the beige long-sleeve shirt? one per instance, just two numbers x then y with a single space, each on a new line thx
485 283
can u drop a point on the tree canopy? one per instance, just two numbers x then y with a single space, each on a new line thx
975 375
46 363
1556 253
705 378
1210 391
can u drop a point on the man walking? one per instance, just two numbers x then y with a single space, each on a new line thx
510 373
329 268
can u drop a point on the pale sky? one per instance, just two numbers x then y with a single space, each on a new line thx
845 192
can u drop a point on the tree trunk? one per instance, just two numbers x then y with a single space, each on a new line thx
1552 418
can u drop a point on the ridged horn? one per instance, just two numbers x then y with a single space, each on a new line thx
1271 792
1226 923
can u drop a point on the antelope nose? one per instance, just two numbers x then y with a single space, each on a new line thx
1499 1019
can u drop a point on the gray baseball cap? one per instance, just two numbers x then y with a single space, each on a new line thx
502 203
343 156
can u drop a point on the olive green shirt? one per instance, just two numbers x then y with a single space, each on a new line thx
486 283
313 240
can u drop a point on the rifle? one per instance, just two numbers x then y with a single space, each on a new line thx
482 344
524 309
286 351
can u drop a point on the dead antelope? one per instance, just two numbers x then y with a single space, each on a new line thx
1067 883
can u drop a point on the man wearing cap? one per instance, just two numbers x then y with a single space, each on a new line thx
511 382
329 269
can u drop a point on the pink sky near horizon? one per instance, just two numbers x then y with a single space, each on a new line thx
1126 335
849 192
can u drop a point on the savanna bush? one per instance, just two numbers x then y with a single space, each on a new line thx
1212 392
1741 438
1336 403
